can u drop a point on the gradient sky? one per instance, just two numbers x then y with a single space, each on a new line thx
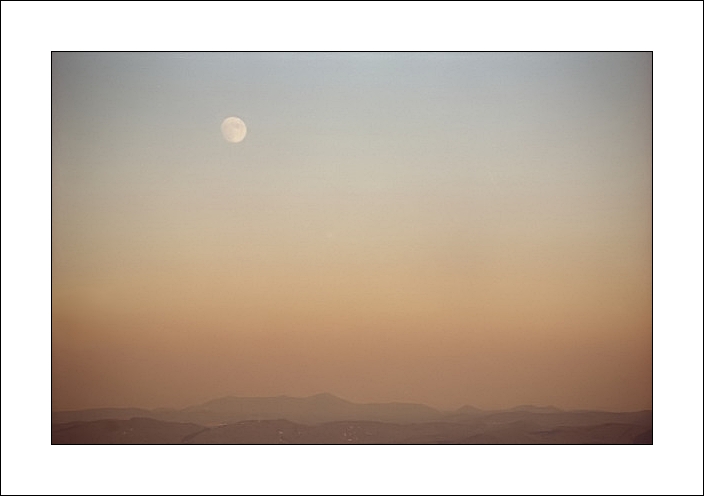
460 228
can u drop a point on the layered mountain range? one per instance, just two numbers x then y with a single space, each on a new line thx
327 419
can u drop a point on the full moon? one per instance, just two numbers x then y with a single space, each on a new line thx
233 129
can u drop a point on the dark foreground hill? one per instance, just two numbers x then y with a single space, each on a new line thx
326 419
149 431
133 431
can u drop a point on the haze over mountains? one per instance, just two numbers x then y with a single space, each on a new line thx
327 419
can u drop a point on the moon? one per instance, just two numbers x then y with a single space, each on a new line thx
233 129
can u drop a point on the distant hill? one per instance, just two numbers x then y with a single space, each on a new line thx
467 409
535 409
98 414
310 410
320 418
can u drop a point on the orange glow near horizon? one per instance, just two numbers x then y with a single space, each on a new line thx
446 229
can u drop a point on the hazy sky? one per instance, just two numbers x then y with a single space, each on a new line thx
463 228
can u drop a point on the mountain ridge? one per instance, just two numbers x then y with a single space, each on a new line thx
326 407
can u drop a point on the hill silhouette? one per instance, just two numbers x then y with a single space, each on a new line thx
312 409
327 419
